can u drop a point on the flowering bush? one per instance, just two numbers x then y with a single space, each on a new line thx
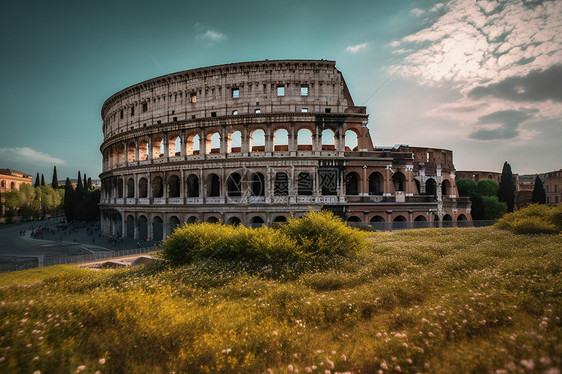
534 219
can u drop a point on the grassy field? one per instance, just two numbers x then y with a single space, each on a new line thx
445 301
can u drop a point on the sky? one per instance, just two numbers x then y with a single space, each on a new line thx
482 78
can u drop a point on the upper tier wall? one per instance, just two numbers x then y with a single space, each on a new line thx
241 88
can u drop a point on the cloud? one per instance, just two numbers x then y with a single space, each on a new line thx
417 12
356 48
30 155
211 36
505 124
538 85
473 43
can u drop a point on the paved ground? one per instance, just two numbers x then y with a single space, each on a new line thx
27 244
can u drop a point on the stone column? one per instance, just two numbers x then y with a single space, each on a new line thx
245 146
137 150
166 142
183 144
149 149
268 140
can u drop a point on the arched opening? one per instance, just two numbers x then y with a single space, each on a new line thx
462 221
281 184
130 227
378 223
157 229
352 183
235 142
157 187
351 140
192 184
445 188
304 140
304 184
420 222
281 140
192 219
157 145
399 181
212 219
120 188
377 219
173 223
143 150
280 219
328 140
143 188
12 186
213 143
447 220
354 219
375 183
257 141
131 152
174 186
461 217
130 188
213 185
234 185
420 218
233 221
174 146
256 222
192 144
431 187
257 184
143 228
399 222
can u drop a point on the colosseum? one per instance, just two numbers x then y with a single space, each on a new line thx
258 142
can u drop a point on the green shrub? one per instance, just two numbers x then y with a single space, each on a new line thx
534 219
317 234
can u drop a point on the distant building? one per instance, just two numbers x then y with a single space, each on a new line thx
10 180
553 186
477 175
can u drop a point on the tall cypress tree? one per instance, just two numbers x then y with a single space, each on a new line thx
506 192
68 200
89 183
85 182
79 185
42 180
539 194
37 182
55 182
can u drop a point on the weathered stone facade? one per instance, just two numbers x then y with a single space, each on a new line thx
255 143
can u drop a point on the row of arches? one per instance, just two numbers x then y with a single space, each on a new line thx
257 140
379 222
375 183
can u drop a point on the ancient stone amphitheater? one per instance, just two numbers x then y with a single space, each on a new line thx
257 142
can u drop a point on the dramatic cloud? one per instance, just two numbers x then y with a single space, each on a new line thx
504 125
497 56
356 48
27 154
484 41
536 86
211 36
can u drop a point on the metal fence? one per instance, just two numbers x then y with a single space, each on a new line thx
404 225
98 256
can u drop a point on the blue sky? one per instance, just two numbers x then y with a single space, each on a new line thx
474 77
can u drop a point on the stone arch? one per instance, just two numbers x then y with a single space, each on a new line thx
191 219
157 228
233 221
2 184
420 222
192 184
131 150
377 218
213 142
174 186
157 187
461 217
257 184
280 219
130 188
143 188
213 185
328 140
399 222
304 139
143 227
399 181
192 144
234 185
431 187
281 140
352 183
234 142
304 184
447 220
174 145
354 219
351 140
12 186
143 150
173 223
281 184
257 140
376 182
399 218
213 219
257 221
130 226
445 188
420 218
157 147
